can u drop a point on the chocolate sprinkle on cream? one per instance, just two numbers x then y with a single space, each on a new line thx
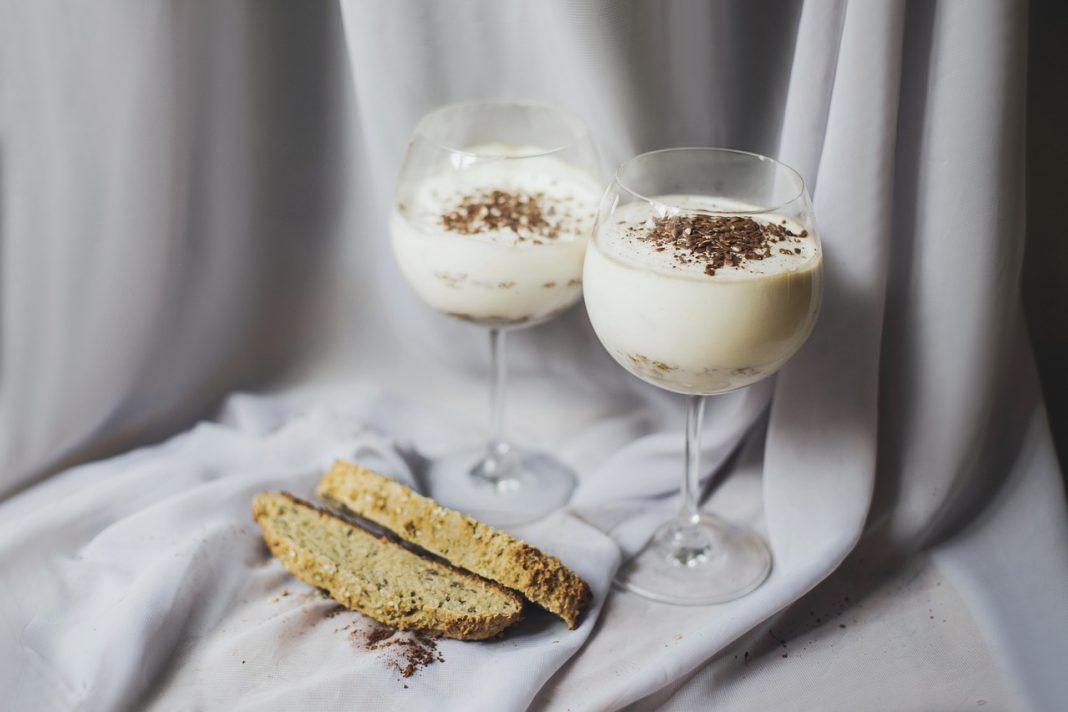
717 240
501 210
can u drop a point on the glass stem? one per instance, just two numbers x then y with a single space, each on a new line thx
498 445
685 542
495 469
688 543
689 514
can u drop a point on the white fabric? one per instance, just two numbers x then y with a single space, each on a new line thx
186 574
908 643
152 242
156 248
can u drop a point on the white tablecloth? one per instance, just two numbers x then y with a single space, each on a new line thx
141 581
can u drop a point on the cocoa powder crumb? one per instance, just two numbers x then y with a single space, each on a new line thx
377 635
407 653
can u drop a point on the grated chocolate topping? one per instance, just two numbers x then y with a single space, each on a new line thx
718 240
498 210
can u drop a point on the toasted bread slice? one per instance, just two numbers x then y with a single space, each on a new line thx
457 538
379 577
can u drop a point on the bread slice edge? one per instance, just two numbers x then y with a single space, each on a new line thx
456 537
398 608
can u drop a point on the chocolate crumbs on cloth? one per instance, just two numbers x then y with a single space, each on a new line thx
718 240
406 652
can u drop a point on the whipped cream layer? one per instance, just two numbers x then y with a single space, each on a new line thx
664 318
461 263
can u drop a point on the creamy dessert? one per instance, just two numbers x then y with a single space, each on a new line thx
497 241
700 303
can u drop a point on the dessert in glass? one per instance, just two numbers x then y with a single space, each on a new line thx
493 209
704 276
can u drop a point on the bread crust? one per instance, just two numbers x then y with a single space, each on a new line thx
461 540
379 577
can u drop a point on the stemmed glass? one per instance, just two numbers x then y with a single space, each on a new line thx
493 209
704 276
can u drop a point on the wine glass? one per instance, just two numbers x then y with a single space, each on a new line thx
704 276
493 209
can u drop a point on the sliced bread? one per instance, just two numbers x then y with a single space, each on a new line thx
378 577
457 538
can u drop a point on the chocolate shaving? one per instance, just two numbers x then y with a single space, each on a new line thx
717 240
501 210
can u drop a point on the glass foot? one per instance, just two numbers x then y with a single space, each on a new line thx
505 487
714 562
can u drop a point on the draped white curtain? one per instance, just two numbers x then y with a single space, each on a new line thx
174 178
168 180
